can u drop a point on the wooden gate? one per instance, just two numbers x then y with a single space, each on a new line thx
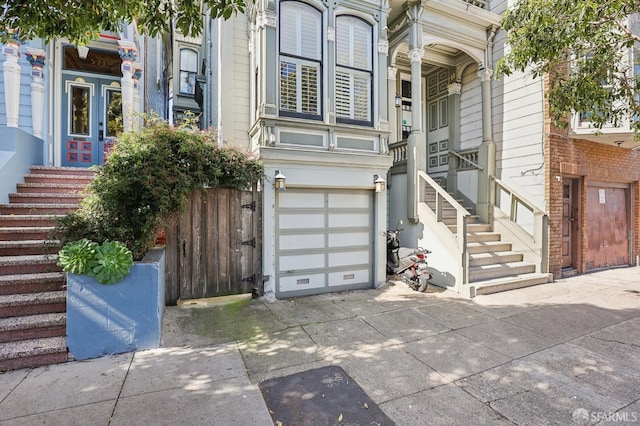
214 248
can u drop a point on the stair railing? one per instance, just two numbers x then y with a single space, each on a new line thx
521 223
455 240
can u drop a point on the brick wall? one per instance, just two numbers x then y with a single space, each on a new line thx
585 160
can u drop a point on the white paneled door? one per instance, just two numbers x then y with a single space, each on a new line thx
323 241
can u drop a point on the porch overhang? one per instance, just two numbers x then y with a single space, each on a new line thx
621 138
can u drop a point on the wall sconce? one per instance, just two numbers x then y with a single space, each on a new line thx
380 183
398 101
83 51
280 181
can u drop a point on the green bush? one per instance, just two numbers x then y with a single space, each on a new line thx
147 179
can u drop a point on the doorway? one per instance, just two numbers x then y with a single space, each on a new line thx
91 106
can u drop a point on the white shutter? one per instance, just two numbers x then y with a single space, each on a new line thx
309 89
361 96
288 86
343 94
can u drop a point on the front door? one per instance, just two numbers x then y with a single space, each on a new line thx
91 118
567 223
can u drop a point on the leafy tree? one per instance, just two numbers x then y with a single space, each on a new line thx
588 47
82 20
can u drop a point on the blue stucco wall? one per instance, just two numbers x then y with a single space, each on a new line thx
18 151
118 318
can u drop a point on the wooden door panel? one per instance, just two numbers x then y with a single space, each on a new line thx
607 227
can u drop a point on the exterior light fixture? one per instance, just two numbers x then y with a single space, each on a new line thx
380 183
398 101
83 51
280 181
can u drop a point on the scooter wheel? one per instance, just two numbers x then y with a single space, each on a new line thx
423 286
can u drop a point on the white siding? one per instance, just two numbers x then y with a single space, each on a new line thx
470 109
518 131
235 81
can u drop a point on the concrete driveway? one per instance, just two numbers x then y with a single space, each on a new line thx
562 353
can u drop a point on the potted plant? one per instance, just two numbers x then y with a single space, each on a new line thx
115 277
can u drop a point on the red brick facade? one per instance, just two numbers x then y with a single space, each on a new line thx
585 162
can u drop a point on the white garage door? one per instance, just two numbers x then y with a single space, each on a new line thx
323 241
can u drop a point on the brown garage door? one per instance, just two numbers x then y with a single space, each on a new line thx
608 225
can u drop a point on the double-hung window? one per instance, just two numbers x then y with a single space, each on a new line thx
354 70
188 71
300 60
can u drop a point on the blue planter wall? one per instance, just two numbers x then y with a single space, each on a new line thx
117 318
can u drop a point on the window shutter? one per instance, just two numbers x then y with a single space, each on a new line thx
361 96
288 86
309 89
288 28
343 94
310 33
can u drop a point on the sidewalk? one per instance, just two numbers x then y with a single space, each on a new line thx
563 353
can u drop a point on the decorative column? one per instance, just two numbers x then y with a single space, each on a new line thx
453 112
11 70
392 91
487 151
37 58
128 54
137 73
416 149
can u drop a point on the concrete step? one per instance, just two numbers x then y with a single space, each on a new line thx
476 237
12 305
488 258
488 246
28 220
35 209
32 327
499 270
28 247
30 264
511 283
43 198
68 179
20 233
32 353
32 283
48 170
49 188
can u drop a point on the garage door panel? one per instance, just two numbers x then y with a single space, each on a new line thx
323 240
301 242
301 221
302 282
348 220
300 262
349 258
346 239
294 199
349 201
349 277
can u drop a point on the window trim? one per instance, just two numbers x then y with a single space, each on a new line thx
351 69
301 59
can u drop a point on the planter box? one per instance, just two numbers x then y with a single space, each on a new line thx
116 318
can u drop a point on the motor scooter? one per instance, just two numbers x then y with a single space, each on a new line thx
410 264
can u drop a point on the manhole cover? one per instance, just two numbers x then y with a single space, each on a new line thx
325 396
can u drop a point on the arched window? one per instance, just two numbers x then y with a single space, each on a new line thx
188 71
354 70
300 60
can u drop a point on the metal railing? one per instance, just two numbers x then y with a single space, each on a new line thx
522 223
